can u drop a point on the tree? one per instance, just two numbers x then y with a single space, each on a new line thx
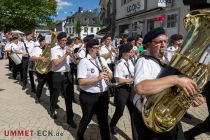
26 14
78 28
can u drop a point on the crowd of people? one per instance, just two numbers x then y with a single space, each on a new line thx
125 68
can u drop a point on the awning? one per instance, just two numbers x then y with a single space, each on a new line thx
104 30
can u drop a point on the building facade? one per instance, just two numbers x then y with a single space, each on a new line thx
140 16
83 23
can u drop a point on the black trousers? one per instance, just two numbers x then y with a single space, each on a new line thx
121 99
10 63
142 132
16 69
205 125
42 79
94 104
62 79
25 62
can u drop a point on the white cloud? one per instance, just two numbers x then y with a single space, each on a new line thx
62 4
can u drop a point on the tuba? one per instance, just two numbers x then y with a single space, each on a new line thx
161 112
45 67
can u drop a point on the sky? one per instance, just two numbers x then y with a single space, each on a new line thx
68 7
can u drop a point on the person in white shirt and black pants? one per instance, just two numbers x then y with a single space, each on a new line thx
124 72
94 98
147 82
42 78
60 57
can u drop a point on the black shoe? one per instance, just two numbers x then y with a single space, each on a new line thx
113 130
74 101
24 87
187 137
53 114
37 100
33 90
57 106
72 123
187 116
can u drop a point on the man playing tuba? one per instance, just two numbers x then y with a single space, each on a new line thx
146 83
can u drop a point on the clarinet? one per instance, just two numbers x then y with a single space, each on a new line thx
104 69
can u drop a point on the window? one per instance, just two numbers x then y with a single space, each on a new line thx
150 24
91 29
171 20
86 29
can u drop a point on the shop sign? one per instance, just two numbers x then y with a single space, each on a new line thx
135 7
164 3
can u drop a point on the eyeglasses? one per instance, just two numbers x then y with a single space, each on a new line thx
160 41
95 48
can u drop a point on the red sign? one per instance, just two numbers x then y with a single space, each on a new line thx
159 18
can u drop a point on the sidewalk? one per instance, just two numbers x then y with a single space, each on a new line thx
18 111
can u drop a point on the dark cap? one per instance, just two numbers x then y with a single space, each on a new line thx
39 36
153 34
129 39
28 33
125 48
176 37
87 38
61 35
41 39
92 42
69 40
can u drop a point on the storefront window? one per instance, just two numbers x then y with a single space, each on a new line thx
171 20
150 24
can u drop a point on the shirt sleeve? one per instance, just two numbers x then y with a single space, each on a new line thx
118 73
82 69
142 71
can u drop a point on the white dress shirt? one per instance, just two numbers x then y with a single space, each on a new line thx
86 69
145 69
57 52
105 50
121 69
171 52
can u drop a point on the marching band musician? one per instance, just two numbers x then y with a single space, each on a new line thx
61 77
146 83
124 72
108 51
174 44
94 98
27 47
42 78
73 62
16 49
7 52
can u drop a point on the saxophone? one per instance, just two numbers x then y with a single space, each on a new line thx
161 112
45 67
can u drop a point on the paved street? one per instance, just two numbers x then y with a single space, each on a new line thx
18 111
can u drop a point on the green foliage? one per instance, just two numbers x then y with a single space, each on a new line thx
78 28
26 14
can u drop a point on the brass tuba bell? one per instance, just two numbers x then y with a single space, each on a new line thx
45 67
161 112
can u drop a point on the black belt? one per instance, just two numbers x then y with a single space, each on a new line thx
25 57
61 73
97 93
